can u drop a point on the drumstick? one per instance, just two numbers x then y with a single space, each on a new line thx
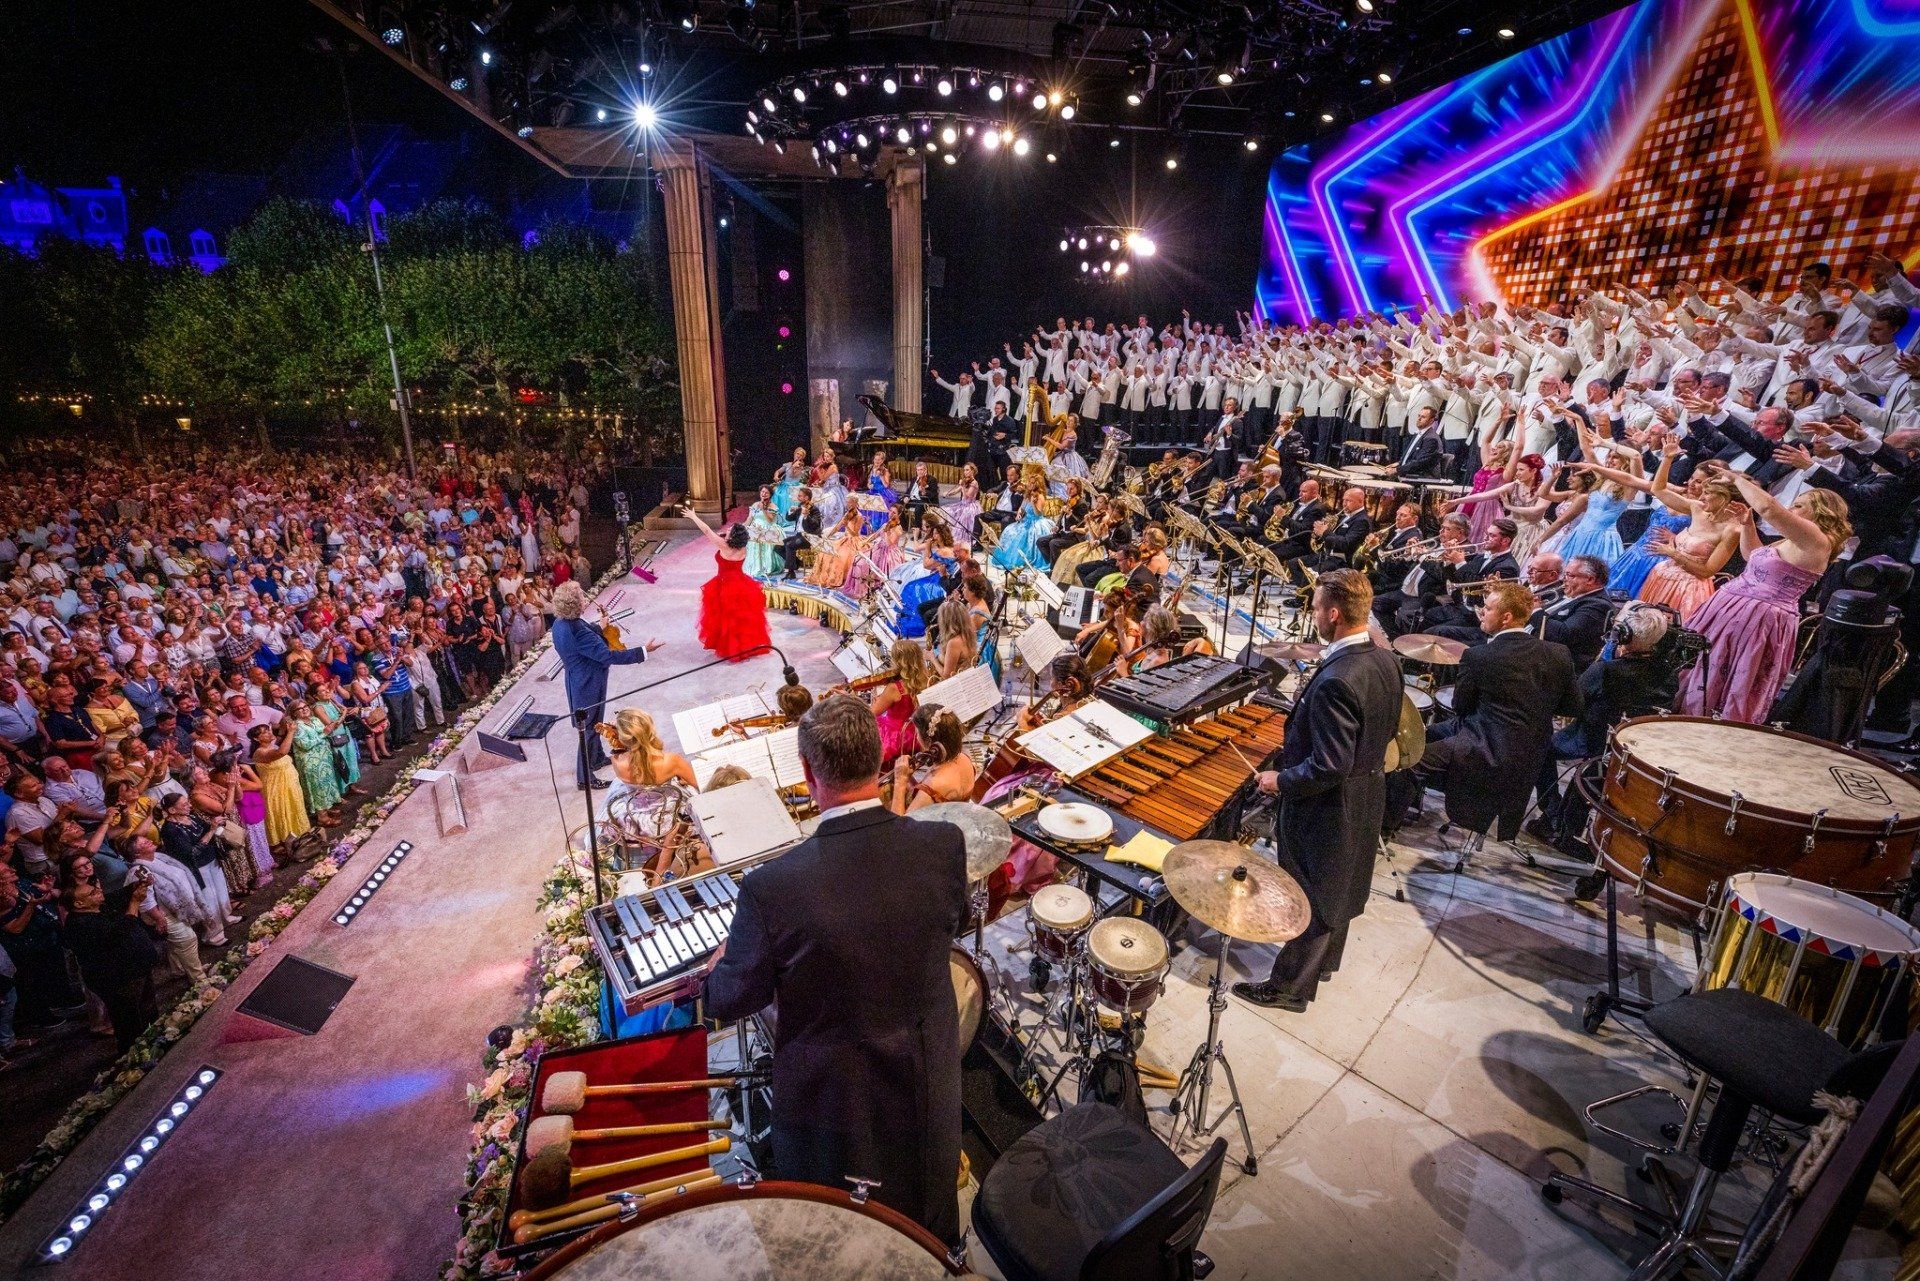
649 1131
547 1179
608 1210
521 1218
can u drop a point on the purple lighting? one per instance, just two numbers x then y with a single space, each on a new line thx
786 389
784 275
785 332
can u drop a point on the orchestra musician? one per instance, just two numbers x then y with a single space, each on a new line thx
922 492
585 656
1297 543
1423 455
1106 642
1258 504
804 520
1003 504
940 771
1329 786
866 1082
1223 442
1340 536
1418 588
1472 568
1579 618
1072 685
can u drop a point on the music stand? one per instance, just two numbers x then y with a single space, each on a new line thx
1231 551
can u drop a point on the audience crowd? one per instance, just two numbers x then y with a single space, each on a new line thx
198 657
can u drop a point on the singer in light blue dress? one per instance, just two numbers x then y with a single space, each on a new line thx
767 534
1630 570
1019 545
1597 530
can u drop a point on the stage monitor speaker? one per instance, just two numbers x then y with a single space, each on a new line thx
297 995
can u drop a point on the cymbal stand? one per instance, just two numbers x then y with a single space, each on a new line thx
1075 1040
1190 1100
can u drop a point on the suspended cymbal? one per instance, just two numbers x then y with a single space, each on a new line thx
1294 652
989 838
1235 891
1422 647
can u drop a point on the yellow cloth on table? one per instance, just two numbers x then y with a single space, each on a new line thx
1145 849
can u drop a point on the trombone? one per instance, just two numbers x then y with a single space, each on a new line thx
1424 547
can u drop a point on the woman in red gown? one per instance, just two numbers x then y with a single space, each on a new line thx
733 609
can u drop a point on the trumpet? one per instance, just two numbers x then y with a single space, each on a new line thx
1424 547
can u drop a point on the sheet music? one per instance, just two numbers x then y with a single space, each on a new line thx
741 821
969 695
1039 645
774 756
695 725
1092 734
1050 592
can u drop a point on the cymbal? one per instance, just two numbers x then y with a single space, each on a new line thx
1235 891
988 836
1422 647
1293 652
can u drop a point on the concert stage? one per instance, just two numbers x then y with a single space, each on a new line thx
1401 1124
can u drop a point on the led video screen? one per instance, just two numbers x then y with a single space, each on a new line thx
1675 139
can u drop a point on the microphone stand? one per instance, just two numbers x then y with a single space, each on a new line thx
583 718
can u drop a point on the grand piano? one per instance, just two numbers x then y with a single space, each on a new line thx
936 438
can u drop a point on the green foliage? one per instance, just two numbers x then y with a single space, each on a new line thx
294 319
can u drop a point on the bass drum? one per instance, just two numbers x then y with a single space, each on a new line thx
969 993
767 1232
1686 802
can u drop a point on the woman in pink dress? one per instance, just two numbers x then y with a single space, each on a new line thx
1751 623
733 608
895 702
883 556
1484 514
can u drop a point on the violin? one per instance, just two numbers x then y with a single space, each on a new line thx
746 723
860 684
610 631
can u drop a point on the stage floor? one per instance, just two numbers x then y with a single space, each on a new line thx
1401 1124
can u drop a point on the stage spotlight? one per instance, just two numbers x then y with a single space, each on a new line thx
996 91
1386 77
973 80
486 57
949 135
919 76
1064 245
458 84
863 77
1114 141
1120 269
1085 265
1051 158
832 147
645 116
1252 144
944 86
926 126
949 158
1326 117
1224 77
770 105
1464 31
1145 247
863 141
1039 102
1133 98
1106 264
799 94
904 134
1173 162
393 36
786 389
1021 146
990 140
890 83
1019 88
1365 6
1505 33
780 146
968 129
1083 242
784 275
524 131
1054 97
646 68
1067 110
600 114
840 89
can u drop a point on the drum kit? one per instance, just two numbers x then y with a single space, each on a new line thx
1777 840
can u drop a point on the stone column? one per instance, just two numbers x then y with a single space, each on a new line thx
690 265
906 185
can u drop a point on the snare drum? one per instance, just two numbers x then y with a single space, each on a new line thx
1829 957
1687 802
1058 916
1126 963
776 1231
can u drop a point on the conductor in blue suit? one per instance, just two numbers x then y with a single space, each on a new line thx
587 656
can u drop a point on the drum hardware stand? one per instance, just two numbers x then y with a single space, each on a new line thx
1196 1082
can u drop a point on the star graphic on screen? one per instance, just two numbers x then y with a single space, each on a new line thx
1701 194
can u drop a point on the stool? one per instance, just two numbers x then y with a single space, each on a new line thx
1764 1056
1090 1195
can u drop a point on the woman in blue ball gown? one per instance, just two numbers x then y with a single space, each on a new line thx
1019 545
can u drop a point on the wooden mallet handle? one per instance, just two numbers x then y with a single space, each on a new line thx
536 1218
609 1209
651 1131
662 1087
588 1173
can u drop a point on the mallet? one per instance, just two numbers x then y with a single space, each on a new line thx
522 1218
608 1209
558 1132
566 1092
548 1179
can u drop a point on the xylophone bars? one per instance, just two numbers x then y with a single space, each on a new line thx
1178 784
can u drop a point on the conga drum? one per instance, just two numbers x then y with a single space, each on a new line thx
1058 916
1686 802
764 1232
1127 962
1833 959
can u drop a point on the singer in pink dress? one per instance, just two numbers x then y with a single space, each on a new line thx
1751 624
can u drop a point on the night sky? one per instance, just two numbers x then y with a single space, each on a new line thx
147 91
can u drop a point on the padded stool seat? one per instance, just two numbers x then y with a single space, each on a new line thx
1064 1185
1754 1047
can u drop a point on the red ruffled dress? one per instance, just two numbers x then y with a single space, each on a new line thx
733 611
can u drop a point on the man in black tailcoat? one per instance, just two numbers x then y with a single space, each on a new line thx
849 931
1331 786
